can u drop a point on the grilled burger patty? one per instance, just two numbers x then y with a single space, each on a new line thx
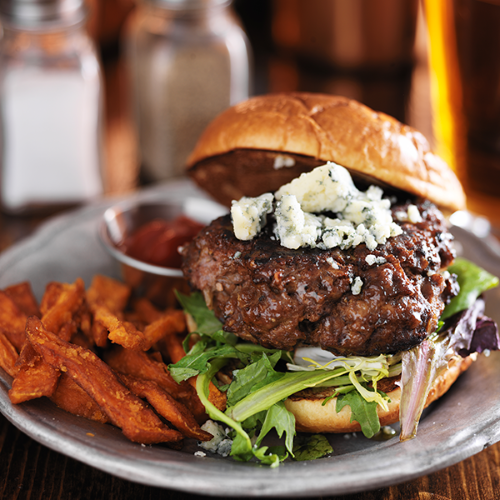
280 298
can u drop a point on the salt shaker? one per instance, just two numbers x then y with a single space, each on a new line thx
51 106
189 60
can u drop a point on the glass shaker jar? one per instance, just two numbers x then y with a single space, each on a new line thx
189 60
51 106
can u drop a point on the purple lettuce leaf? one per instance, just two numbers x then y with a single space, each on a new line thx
463 333
419 370
470 331
484 338
460 327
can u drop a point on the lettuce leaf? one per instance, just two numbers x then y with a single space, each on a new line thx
283 421
242 448
362 411
198 360
195 305
421 366
311 447
462 334
485 337
473 281
470 331
246 380
461 326
290 383
463 330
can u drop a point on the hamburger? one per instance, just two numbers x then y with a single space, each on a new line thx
332 289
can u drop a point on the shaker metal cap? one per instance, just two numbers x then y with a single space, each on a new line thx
33 14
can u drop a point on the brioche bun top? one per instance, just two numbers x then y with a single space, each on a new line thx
318 128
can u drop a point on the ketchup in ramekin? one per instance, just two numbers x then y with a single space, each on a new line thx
157 242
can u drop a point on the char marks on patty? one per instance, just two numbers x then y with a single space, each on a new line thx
280 298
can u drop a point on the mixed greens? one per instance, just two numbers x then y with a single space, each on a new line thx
262 379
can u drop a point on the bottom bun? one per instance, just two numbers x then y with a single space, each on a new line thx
312 416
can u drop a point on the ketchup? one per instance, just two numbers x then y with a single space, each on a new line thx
156 242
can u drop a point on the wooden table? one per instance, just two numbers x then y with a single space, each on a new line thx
30 470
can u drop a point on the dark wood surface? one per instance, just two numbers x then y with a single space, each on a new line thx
29 470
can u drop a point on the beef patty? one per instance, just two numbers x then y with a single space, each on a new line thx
279 298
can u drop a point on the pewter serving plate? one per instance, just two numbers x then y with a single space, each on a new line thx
462 423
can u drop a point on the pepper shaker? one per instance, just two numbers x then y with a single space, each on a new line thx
51 106
188 60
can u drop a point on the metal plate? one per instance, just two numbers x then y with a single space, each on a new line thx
462 423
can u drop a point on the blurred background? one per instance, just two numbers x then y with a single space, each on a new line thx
375 52
169 66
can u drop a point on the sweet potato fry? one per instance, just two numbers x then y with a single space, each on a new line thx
133 317
159 323
217 397
12 321
23 297
83 319
67 331
142 365
156 356
127 335
170 409
168 324
111 293
52 292
34 379
173 345
146 310
8 355
64 310
67 303
119 332
138 422
160 290
82 340
70 397
99 334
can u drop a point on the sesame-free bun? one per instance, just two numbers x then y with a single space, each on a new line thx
312 416
266 141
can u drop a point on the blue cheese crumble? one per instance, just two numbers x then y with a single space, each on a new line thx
332 263
220 443
361 216
294 227
356 286
281 161
373 259
412 215
249 215
329 187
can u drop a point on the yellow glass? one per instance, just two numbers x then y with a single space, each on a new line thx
464 40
